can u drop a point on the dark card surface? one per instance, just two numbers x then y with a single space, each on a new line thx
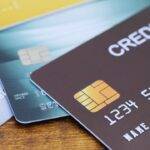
105 84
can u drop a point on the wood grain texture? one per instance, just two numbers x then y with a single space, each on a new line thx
60 134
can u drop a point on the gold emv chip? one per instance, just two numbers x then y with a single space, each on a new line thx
97 96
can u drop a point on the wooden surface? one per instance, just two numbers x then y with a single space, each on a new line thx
60 134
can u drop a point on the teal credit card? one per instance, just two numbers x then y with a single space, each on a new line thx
29 46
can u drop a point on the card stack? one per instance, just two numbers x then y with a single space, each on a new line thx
108 88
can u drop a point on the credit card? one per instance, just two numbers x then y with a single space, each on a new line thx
31 104
104 84
17 11
23 52
5 112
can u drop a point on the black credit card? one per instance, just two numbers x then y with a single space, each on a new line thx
105 84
